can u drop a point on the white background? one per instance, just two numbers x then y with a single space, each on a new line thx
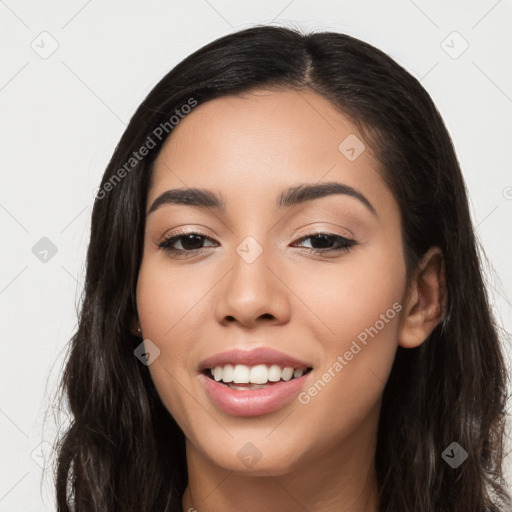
63 115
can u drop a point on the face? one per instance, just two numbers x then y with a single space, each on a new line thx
319 278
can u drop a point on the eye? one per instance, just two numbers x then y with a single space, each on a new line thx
328 242
190 244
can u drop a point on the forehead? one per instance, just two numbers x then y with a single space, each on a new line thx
254 145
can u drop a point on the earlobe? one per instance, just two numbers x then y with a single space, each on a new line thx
425 305
135 328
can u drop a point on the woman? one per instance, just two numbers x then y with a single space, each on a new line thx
284 307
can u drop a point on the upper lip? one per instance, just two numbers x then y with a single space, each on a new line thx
260 355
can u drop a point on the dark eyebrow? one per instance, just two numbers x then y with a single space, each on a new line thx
203 198
198 197
305 192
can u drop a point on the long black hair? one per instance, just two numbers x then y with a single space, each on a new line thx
123 450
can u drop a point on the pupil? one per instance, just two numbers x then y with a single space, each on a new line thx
323 239
189 239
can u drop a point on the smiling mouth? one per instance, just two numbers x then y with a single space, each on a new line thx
245 378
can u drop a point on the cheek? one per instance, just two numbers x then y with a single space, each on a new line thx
172 307
170 301
347 297
358 305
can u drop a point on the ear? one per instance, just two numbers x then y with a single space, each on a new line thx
425 305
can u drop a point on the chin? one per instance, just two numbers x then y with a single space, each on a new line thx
255 458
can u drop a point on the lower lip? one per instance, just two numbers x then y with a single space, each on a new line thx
252 403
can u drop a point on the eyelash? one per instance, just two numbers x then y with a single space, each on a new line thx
344 244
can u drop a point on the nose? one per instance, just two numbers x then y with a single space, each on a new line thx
252 292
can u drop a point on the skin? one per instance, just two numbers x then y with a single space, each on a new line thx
316 456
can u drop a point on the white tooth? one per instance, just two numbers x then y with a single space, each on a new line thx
227 375
274 373
217 373
258 374
241 374
287 373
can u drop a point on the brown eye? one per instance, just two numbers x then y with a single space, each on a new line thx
327 242
190 243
